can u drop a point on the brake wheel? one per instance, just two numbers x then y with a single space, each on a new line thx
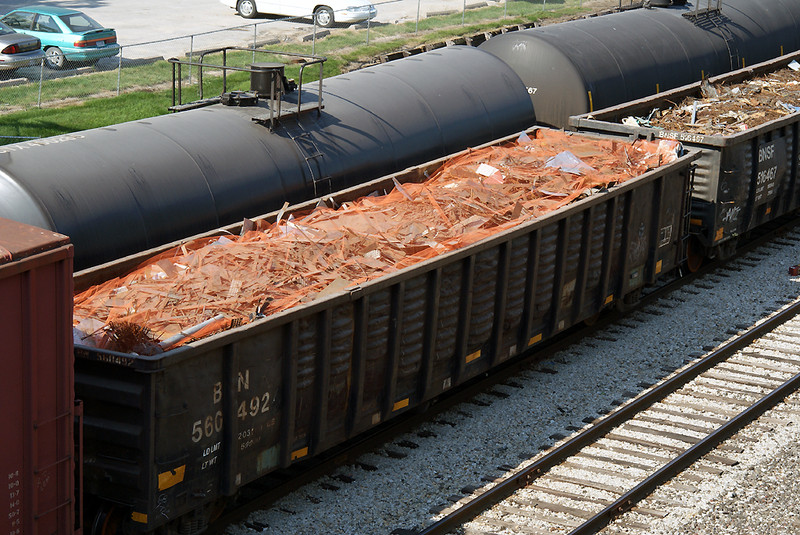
107 520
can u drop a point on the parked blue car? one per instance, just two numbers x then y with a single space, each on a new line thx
67 35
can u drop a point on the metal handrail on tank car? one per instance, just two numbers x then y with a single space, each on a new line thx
708 9
308 59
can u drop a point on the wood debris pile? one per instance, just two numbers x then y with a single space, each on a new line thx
215 283
726 110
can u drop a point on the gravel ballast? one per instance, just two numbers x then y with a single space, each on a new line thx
761 495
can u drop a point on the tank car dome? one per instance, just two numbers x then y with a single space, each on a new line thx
129 187
588 64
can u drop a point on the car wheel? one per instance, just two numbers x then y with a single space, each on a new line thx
323 16
246 8
54 58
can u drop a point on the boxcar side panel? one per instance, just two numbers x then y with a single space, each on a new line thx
38 457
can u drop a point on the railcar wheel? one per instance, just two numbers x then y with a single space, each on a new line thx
246 8
107 520
591 320
324 16
695 255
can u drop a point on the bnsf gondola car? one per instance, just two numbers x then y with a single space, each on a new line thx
169 436
744 179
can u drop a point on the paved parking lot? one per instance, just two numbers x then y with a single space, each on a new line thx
146 20
140 21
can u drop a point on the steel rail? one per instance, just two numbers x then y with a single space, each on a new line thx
521 479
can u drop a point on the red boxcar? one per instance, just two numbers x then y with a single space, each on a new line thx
37 459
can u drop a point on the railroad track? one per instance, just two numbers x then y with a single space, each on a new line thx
590 479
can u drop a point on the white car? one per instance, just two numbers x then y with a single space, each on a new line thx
325 15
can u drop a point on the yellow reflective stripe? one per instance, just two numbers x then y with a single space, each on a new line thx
403 403
139 517
170 478
473 356
537 338
302 452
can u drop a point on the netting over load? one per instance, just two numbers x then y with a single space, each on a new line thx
215 283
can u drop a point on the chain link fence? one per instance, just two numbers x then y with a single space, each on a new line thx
144 66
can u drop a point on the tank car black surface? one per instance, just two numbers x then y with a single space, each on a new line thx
584 65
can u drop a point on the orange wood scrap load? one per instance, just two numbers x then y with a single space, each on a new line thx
214 283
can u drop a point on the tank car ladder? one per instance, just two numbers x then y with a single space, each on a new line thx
711 18
313 157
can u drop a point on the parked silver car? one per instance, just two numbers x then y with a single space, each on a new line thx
18 49
336 11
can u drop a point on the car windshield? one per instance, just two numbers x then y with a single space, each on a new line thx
78 22
4 30
21 20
